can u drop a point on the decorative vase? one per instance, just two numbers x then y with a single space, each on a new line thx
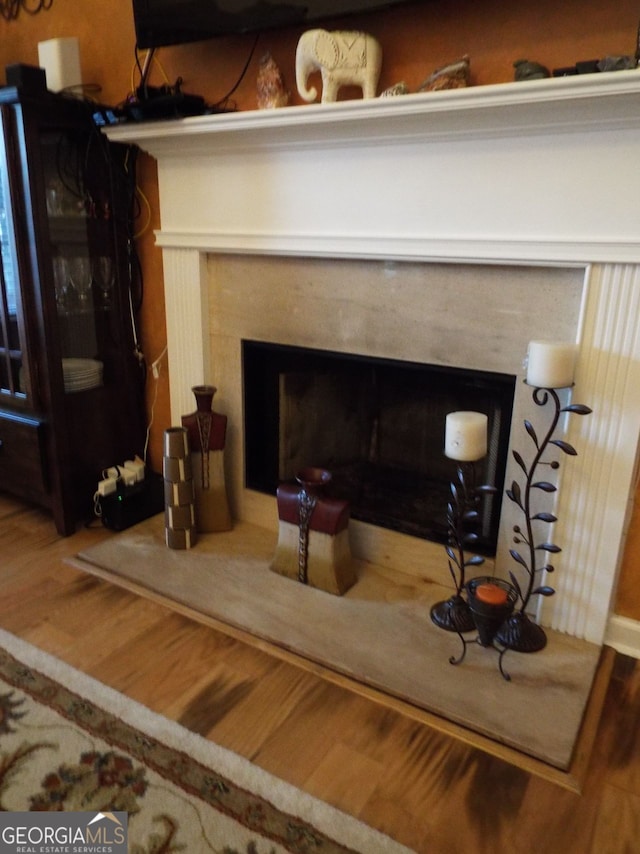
313 534
179 495
207 430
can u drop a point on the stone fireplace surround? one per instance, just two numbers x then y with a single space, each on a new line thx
531 185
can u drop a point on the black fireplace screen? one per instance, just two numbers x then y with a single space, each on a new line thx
378 425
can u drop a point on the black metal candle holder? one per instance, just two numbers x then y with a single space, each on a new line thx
519 632
454 614
489 617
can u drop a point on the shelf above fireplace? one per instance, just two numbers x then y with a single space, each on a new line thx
564 104
540 172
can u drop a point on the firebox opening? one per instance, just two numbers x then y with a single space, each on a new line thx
378 425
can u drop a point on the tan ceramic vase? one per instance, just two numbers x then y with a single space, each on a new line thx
313 534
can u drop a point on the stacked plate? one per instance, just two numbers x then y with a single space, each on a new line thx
81 374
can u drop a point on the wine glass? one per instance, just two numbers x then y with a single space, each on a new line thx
81 277
105 276
61 281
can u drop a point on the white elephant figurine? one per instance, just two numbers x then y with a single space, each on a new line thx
342 58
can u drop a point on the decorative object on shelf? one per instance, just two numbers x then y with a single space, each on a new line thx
453 614
81 276
55 198
271 89
400 88
207 432
81 374
550 367
616 63
104 277
343 58
61 282
313 534
454 75
179 494
10 9
526 69
466 442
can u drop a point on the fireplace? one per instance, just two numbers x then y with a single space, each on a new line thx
377 425
455 226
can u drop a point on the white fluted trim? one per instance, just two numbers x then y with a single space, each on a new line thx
187 326
597 486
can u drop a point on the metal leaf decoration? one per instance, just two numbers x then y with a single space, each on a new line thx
565 446
521 496
461 513
520 461
544 591
545 486
528 426
577 408
549 547
545 517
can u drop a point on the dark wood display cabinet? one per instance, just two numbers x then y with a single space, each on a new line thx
71 374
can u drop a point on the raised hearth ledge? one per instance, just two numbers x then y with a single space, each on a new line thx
382 621
537 173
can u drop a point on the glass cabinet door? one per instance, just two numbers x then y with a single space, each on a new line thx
81 256
12 379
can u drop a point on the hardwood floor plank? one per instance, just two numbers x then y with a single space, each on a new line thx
299 744
346 776
270 705
425 788
617 828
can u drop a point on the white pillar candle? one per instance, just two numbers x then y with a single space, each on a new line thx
551 364
465 436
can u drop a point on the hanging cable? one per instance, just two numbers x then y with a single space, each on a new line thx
10 9
225 99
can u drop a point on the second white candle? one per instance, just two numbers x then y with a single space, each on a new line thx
551 364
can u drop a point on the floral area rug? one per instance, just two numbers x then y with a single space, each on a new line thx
69 743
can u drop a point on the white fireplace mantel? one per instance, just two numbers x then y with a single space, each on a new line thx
567 104
540 173
485 172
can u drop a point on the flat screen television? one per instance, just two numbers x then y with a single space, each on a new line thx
159 23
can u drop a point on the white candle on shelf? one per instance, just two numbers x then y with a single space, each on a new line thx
551 364
465 436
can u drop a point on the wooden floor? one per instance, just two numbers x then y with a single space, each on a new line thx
419 786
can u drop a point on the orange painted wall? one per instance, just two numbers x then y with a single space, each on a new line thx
416 40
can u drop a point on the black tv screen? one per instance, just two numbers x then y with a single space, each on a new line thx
159 23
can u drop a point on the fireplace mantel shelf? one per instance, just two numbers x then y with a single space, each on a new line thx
569 104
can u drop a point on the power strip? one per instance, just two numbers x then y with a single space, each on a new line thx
127 474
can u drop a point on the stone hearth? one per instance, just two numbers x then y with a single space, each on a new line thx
538 176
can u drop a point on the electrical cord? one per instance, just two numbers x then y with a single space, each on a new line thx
155 370
144 70
224 101
10 9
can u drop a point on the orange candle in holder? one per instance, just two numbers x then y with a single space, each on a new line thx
491 594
